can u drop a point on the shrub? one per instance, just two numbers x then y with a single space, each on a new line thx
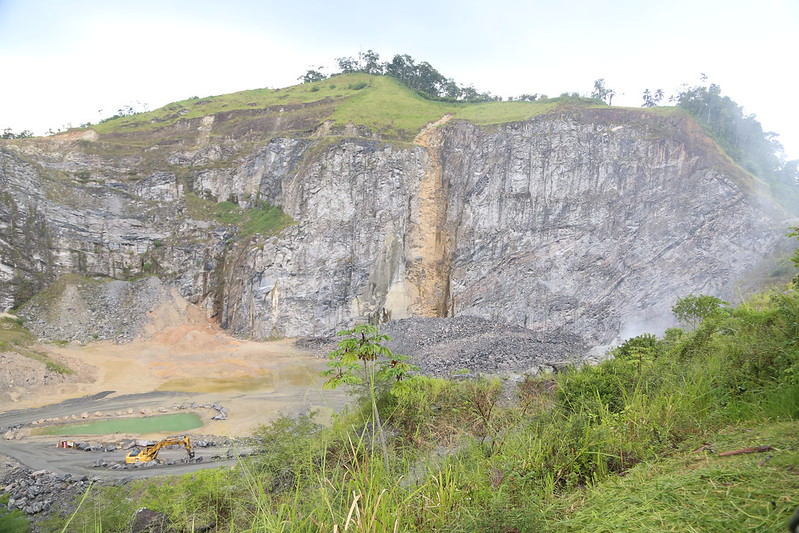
608 384
591 387
691 310
288 447
435 411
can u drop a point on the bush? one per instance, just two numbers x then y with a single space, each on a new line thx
288 448
609 383
436 411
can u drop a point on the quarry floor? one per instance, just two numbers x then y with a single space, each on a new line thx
185 367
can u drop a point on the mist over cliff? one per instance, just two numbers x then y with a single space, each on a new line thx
585 219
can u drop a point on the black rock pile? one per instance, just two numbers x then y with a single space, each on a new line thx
34 492
470 345
467 345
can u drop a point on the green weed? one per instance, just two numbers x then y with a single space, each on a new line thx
263 219
12 521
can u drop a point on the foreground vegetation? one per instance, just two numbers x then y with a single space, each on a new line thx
631 444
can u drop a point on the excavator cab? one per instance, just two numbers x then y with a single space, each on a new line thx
149 453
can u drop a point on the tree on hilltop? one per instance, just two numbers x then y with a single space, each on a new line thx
652 99
9 134
370 62
601 92
312 75
422 77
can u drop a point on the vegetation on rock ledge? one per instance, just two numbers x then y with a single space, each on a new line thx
262 219
14 337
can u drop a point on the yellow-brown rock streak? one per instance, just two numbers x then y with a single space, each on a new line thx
427 262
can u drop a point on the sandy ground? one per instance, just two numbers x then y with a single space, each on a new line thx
182 363
255 381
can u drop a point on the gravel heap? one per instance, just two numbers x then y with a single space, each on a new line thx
467 345
40 491
83 309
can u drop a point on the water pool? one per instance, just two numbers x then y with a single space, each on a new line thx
152 424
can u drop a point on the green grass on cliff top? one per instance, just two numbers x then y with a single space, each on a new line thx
380 103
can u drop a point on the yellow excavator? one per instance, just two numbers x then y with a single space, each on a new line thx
149 453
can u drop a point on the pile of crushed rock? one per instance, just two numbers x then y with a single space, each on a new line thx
39 491
83 309
467 345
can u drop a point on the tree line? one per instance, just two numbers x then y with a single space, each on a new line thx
422 77
9 134
741 135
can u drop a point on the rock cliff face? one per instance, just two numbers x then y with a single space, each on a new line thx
596 222
586 220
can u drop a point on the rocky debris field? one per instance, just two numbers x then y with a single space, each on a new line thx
467 345
34 492
81 309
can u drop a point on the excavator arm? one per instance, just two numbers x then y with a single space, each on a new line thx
149 453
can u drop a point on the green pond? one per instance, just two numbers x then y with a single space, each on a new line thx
152 424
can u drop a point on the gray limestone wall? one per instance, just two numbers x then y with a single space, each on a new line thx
590 222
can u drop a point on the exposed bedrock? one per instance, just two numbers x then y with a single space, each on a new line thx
586 221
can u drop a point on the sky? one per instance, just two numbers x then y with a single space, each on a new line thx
68 62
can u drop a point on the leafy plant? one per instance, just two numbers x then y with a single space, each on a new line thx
361 356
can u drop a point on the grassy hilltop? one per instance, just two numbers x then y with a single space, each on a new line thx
391 111
380 103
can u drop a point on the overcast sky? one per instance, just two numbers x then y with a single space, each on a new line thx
73 61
